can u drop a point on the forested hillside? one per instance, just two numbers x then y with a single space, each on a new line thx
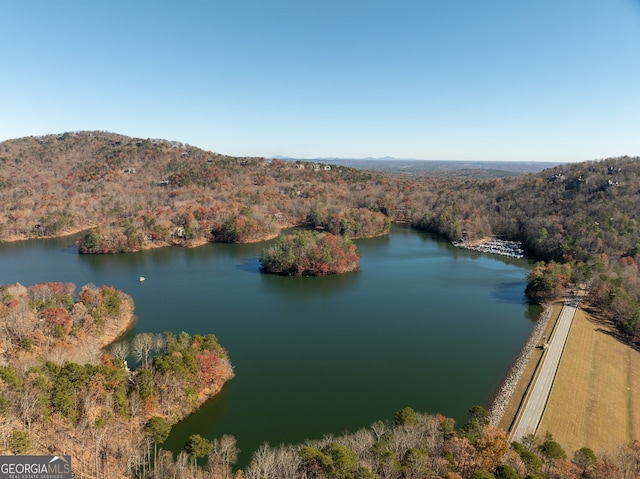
141 193
146 193
579 220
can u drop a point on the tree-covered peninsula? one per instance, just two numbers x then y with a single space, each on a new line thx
579 220
310 253
134 193
62 393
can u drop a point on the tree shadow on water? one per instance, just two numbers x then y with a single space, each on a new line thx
250 265
71 248
511 293
309 285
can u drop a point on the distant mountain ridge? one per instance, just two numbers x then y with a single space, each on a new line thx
418 166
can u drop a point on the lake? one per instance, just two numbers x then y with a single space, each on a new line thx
422 324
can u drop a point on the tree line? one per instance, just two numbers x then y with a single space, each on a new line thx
410 446
133 194
416 445
62 393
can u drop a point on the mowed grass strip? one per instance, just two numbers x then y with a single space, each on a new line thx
634 394
565 415
596 393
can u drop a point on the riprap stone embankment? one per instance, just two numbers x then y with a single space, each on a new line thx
503 396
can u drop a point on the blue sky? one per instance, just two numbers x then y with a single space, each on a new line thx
547 80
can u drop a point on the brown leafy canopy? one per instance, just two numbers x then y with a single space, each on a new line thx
60 393
548 282
581 218
309 253
428 448
156 191
146 193
47 319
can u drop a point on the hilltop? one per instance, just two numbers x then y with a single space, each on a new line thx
146 193
135 193
580 220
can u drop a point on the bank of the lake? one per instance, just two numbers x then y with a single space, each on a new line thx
422 324
511 392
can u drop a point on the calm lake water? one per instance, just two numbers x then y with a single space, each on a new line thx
422 324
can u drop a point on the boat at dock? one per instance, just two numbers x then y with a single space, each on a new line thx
510 249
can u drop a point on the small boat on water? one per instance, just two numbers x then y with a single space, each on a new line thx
141 278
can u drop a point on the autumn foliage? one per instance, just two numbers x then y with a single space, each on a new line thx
60 391
130 194
309 253
48 318
429 447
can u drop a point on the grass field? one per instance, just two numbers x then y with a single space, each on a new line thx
595 400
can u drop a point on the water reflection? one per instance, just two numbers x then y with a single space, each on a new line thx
532 313
251 265
421 325
373 244
308 285
510 292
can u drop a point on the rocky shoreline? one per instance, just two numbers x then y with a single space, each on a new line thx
503 396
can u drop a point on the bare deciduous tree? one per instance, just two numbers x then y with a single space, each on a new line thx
120 350
141 347
225 452
263 464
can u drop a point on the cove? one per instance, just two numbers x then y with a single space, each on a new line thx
422 324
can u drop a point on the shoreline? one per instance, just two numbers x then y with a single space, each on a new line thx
500 399
150 245
68 232
509 384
